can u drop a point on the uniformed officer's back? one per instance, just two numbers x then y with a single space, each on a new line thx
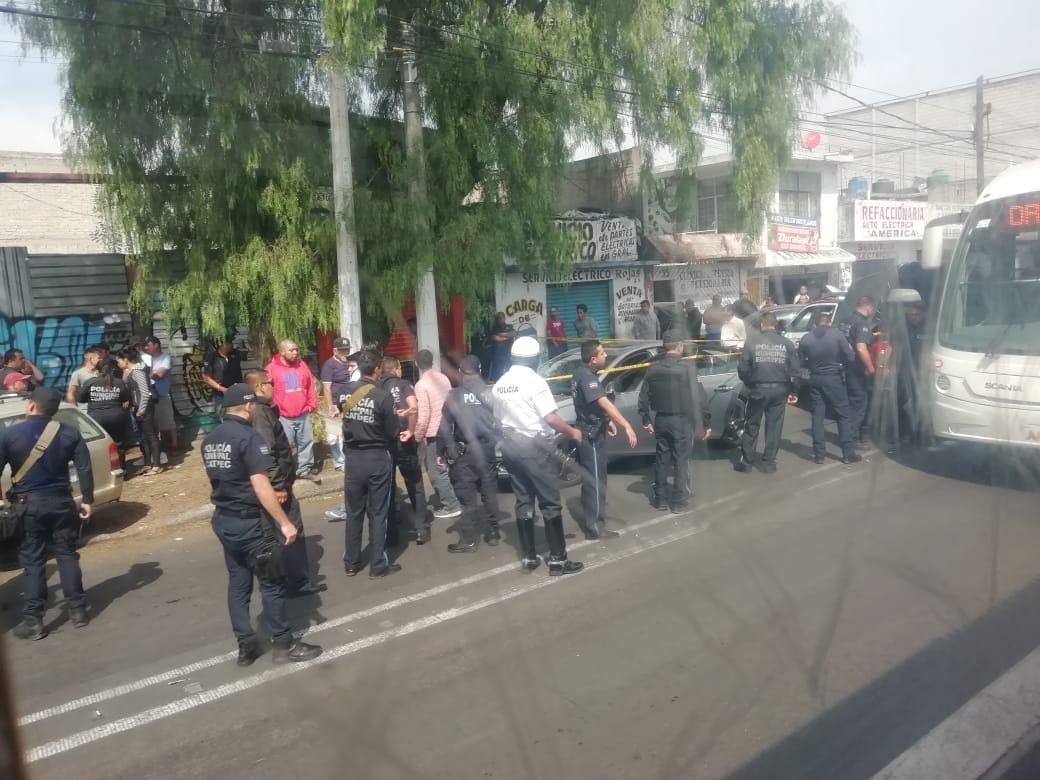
824 350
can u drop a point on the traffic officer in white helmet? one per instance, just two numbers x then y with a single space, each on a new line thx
525 409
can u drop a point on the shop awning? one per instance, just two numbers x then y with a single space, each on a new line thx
698 247
825 256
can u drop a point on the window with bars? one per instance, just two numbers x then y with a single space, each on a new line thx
800 195
716 207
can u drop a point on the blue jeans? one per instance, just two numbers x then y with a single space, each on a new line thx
301 437
334 438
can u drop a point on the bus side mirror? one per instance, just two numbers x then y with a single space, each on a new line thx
934 234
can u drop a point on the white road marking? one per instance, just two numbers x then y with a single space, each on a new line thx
183 671
82 738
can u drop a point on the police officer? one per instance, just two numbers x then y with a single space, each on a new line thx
42 495
466 440
283 475
371 428
825 352
405 452
676 398
238 462
770 369
859 376
597 418
527 413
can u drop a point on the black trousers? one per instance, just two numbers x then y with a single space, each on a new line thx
534 473
51 526
859 389
239 537
592 457
674 450
369 480
149 436
829 390
406 460
474 476
769 401
297 563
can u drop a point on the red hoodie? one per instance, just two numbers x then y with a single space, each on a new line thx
294 393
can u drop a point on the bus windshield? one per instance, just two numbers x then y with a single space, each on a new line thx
991 302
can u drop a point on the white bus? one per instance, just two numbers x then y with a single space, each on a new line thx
984 383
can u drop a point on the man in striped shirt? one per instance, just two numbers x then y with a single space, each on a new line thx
431 391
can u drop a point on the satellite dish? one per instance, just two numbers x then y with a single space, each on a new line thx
811 140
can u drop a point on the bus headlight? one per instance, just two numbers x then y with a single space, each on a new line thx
942 382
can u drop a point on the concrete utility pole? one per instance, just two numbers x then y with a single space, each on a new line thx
426 292
343 197
982 110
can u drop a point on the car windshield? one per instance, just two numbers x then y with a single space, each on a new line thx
991 302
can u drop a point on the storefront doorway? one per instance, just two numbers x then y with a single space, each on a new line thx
595 296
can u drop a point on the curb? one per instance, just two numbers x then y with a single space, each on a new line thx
202 512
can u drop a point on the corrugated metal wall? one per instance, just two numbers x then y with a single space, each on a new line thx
79 284
15 287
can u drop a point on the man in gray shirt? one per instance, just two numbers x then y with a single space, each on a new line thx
585 326
646 326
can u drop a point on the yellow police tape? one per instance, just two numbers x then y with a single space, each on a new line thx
637 365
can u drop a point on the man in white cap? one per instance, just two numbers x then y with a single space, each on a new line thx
527 412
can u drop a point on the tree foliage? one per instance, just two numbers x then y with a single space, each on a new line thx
203 136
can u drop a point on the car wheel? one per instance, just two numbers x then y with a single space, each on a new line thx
734 425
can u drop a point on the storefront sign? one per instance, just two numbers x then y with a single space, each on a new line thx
889 220
871 250
627 299
701 281
584 275
791 234
603 240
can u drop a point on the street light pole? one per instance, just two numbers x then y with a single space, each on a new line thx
343 196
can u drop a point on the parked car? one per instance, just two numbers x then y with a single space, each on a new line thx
104 455
716 369
795 320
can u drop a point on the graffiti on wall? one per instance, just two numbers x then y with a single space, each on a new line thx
55 344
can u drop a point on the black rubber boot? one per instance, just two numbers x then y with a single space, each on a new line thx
525 530
555 537
743 465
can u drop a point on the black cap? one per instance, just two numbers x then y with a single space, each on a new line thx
341 343
672 337
47 400
470 365
238 394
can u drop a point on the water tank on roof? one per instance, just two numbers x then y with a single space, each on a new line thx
937 177
884 187
858 185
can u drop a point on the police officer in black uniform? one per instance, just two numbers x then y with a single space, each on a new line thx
466 441
596 418
825 353
370 429
43 497
283 475
406 453
238 462
770 369
859 376
676 398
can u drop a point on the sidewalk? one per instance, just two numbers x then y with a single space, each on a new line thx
178 495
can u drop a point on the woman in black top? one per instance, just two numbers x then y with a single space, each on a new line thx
107 398
142 400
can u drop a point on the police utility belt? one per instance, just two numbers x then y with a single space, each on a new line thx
591 427
267 559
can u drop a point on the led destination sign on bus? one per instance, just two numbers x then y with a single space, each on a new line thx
1024 215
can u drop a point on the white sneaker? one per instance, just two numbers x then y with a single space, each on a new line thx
163 459
447 514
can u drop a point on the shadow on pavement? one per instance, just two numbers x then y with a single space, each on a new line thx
115 518
974 463
862 734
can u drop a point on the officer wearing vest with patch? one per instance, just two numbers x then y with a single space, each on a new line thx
597 418
370 429
770 369
238 462
40 502
526 411
466 441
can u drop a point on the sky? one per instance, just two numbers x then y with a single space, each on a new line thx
903 47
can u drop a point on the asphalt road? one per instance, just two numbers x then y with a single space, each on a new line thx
828 618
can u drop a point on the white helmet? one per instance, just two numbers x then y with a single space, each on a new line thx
525 347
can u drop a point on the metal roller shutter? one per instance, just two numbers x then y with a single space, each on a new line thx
595 295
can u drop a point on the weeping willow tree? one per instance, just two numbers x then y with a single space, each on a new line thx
202 116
